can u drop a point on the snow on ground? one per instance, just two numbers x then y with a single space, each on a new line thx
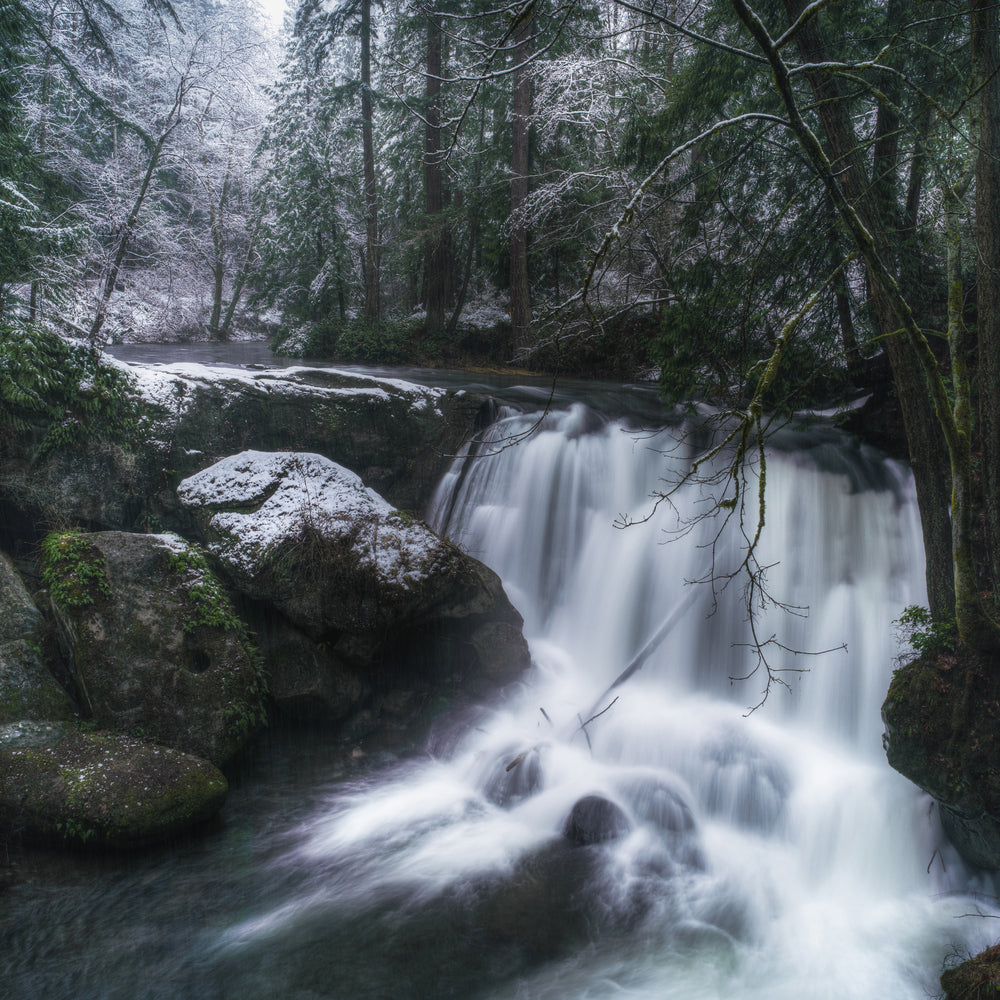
169 386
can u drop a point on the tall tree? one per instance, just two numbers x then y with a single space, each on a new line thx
520 169
373 249
985 39
435 257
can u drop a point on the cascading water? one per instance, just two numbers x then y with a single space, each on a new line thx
770 855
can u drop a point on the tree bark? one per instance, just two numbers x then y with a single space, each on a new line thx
985 28
372 261
216 214
520 165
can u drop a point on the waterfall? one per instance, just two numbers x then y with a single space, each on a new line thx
727 853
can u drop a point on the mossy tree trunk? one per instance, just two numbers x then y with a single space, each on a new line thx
930 417
985 31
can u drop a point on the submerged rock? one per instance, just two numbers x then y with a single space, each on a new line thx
27 689
746 785
155 644
595 820
304 535
513 776
665 807
58 783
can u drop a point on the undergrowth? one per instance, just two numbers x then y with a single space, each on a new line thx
68 390
916 629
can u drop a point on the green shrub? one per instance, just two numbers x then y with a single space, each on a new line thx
917 629
67 388
73 569
372 343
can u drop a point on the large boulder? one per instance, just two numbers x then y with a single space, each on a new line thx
942 731
154 642
305 535
59 783
27 689
398 436
306 679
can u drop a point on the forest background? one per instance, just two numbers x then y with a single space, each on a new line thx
769 207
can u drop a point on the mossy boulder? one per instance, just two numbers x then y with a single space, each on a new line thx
93 789
305 535
942 731
27 689
978 978
307 680
154 643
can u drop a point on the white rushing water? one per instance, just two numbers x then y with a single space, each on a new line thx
771 854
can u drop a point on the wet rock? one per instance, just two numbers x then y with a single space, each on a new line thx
655 801
306 679
513 777
155 644
550 904
664 806
595 820
60 784
746 786
941 716
27 689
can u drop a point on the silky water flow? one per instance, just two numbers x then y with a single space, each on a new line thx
726 853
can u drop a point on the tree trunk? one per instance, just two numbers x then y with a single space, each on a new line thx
986 57
218 261
434 250
520 289
927 446
126 237
372 249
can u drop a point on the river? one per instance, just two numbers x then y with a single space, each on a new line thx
765 854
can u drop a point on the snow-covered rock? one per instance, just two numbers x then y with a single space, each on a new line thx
305 535
396 435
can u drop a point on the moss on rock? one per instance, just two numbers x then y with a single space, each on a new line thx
977 978
59 783
27 688
73 569
163 653
942 718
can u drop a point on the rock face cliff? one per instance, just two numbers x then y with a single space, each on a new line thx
398 437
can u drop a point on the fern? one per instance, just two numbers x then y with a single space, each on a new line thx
65 389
